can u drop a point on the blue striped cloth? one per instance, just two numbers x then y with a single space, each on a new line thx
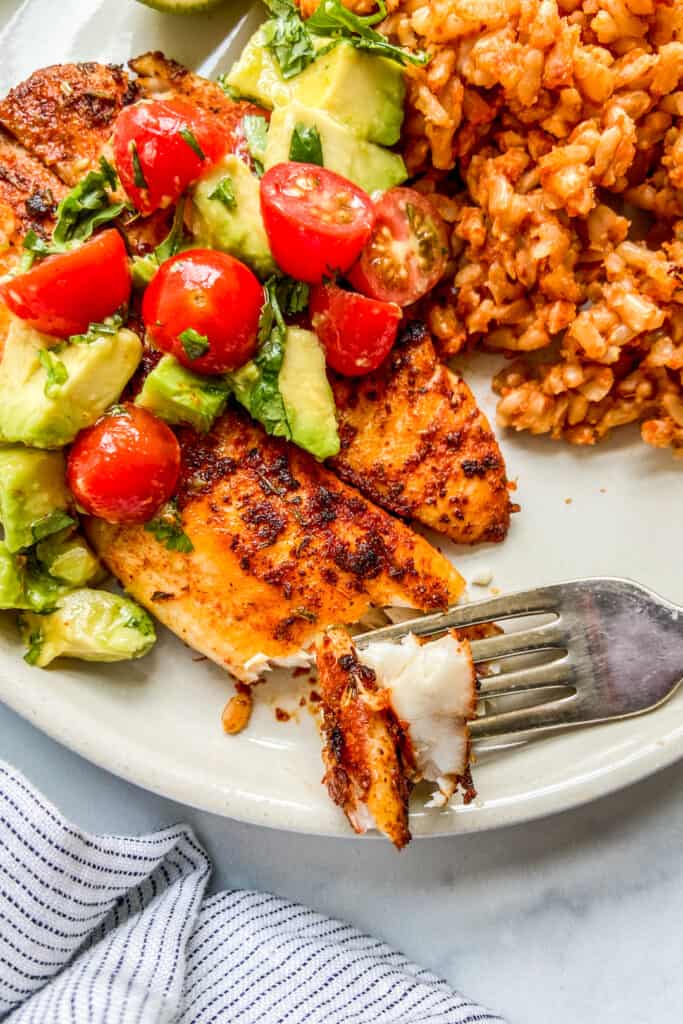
99 929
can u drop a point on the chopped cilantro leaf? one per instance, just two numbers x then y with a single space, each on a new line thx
306 146
51 523
331 18
107 327
57 373
145 267
138 174
167 528
194 343
191 139
288 38
224 192
86 207
35 644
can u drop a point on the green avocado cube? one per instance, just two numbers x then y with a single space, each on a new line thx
92 625
178 395
307 395
363 91
256 75
12 593
34 499
68 558
49 392
226 214
367 165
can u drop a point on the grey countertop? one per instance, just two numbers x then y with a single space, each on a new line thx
573 918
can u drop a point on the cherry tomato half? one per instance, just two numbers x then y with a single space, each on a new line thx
357 333
63 294
161 146
407 251
125 466
317 222
203 307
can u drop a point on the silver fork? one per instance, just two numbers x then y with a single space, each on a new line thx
617 646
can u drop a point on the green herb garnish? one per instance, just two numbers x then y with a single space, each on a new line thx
57 373
256 385
306 146
145 267
35 644
331 18
167 528
255 128
107 327
51 523
194 343
191 139
87 206
138 174
224 192
288 38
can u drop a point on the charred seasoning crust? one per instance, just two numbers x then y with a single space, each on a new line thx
453 479
316 510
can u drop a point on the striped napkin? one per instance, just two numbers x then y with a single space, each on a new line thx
99 929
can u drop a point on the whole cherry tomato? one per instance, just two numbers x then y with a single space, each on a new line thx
317 222
357 333
63 294
124 467
161 147
407 251
203 307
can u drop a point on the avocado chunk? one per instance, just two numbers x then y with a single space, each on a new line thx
92 625
363 91
307 395
49 392
367 165
256 75
67 557
228 216
34 498
177 395
12 594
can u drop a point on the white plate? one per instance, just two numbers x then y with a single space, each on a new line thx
614 510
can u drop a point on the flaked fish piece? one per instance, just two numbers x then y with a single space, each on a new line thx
365 771
394 715
414 440
282 550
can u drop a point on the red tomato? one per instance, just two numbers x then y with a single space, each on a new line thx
125 466
203 306
63 294
357 333
407 251
161 146
317 222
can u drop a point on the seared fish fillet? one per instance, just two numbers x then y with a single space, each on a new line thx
29 193
282 549
414 440
64 114
392 715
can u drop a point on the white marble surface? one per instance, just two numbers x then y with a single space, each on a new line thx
576 918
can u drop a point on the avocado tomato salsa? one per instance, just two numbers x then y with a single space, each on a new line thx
294 248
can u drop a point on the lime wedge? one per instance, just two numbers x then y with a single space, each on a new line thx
182 6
